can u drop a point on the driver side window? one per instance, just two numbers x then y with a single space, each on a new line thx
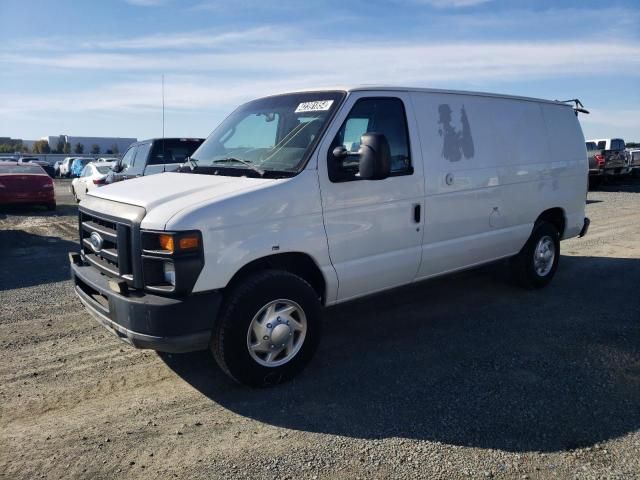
369 115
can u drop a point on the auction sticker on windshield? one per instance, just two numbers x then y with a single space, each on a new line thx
317 106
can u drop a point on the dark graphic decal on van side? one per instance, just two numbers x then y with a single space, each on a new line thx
456 143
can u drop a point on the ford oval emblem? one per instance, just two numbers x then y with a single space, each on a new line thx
96 241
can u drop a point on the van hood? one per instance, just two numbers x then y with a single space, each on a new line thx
165 194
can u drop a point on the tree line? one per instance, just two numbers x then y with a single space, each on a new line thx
42 146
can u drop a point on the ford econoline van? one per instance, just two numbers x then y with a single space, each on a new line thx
309 199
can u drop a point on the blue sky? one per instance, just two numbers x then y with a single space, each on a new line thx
94 68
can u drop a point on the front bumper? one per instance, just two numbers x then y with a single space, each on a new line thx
145 320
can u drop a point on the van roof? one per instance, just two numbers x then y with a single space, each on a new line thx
180 139
368 88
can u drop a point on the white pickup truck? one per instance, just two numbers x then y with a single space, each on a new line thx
310 199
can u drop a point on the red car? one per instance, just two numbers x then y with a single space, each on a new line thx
26 183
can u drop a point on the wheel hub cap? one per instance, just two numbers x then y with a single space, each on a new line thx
276 333
544 256
280 335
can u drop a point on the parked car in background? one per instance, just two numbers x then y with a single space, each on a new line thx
310 199
35 160
7 159
65 166
153 156
106 159
634 160
56 168
606 158
26 182
92 176
78 165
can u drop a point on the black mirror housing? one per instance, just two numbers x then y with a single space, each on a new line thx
375 156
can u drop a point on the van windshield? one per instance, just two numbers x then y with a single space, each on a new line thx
269 134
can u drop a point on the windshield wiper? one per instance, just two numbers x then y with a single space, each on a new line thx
192 163
244 162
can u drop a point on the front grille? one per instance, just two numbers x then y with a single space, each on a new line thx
114 258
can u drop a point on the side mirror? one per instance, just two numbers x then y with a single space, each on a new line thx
117 168
375 156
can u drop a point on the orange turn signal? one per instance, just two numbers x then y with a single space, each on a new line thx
189 242
166 242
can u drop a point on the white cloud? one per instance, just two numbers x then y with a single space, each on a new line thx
146 3
365 62
610 117
201 39
221 80
451 3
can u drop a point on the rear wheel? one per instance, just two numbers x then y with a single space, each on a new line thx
537 262
268 329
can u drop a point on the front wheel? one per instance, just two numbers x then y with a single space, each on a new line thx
268 329
537 262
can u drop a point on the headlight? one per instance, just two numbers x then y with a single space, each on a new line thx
171 261
167 242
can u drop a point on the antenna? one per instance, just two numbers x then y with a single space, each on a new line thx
163 159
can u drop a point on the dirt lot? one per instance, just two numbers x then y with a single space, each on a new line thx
463 377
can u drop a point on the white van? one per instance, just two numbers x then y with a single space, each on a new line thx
309 199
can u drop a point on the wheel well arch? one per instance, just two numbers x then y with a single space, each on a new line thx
556 217
298 263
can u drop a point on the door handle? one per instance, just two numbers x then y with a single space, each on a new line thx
416 213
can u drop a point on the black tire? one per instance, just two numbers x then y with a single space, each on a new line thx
241 305
522 266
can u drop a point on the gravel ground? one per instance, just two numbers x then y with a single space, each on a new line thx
462 377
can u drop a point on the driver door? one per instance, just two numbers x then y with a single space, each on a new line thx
374 227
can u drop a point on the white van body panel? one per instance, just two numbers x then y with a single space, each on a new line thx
481 203
480 183
285 216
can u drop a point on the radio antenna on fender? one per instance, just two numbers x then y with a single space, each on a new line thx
163 119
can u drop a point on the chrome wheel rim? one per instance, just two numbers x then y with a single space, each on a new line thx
544 256
276 333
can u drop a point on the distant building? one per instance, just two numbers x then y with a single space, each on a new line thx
107 145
